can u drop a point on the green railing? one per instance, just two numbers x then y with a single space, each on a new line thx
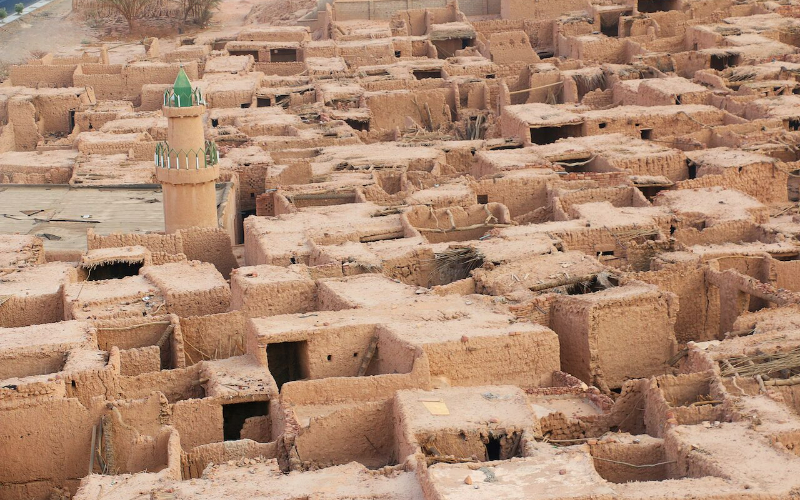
174 99
167 157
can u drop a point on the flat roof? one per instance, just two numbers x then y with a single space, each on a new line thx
61 214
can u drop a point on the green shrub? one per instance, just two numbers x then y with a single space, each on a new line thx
18 8
3 14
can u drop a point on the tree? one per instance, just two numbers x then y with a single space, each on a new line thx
18 8
201 11
129 9
3 13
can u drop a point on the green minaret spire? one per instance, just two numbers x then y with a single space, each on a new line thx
183 89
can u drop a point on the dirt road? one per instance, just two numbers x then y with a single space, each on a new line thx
49 29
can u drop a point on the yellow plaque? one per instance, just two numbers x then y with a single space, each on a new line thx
436 407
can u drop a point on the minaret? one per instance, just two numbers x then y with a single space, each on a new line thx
186 165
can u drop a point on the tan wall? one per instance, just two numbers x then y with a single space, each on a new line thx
765 182
695 319
357 433
527 359
42 447
389 110
549 9
36 76
213 336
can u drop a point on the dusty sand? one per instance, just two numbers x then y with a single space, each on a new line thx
49 29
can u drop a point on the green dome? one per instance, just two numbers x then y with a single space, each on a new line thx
183 89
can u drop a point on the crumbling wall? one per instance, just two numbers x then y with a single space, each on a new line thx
44 446
549 9
356 433
526 358
194 462
213 336
428 108
765 182
697 316
42 75
24 118
592 327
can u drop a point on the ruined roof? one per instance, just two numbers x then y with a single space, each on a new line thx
458 250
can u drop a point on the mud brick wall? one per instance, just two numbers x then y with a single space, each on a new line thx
216 336
765 182
389 110
717 234
499 357
670 164
38 76
53 450
539 31
592 333
698 316
17 174
603 179
258 297
162 243
545 9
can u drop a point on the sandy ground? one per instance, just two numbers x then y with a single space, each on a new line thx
49 29
53 29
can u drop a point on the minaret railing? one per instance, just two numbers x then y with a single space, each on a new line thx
174 100
169 158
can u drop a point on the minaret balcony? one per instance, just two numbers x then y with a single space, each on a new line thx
193 159
183 98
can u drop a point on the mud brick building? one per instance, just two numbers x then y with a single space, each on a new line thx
410 250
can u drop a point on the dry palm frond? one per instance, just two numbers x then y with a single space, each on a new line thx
591 82
665 65
475 129
635 233
791 29
456 263
387 211
629 73
761 364
728 30
740 76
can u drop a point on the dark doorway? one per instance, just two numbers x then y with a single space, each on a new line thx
549 135
692 169
646 133
657 5
420 74
114 271
493 448
609 24
263 102
722 61
283 55
253 53
234 415
360 125
71 120
286 361
240 225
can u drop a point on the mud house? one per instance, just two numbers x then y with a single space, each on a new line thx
411 250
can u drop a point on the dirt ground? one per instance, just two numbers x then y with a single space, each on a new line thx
49 29
56 29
